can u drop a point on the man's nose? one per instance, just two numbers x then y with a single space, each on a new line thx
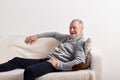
72 29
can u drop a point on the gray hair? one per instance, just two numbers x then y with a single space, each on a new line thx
80 21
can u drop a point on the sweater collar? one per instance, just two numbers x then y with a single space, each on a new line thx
78 36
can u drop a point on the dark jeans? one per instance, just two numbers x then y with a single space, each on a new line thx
33 67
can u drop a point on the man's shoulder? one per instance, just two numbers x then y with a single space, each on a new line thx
80 42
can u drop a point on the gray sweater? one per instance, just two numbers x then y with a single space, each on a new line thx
69 52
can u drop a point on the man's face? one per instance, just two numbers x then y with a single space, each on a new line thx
75 28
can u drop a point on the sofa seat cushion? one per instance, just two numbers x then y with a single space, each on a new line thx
16 74
69 75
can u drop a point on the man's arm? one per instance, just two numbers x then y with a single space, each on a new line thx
56 35
79 57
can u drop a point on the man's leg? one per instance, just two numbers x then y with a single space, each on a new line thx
19 63
37 70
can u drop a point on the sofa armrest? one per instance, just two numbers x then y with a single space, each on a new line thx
96 63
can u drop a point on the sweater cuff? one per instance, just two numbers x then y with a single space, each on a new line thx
62 66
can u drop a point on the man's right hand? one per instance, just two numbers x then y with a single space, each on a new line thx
31 39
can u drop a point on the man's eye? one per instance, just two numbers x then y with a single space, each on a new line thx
74 27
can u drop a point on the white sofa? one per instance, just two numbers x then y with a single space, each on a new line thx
12 46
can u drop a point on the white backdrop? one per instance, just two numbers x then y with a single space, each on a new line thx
101 19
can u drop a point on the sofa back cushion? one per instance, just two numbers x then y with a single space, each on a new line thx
14 46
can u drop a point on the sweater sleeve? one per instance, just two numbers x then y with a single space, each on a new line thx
56 35
79 57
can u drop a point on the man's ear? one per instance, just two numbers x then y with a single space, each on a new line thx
81 29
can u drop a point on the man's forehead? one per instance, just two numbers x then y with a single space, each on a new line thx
74 23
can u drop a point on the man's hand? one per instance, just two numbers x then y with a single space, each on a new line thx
31 39
53 61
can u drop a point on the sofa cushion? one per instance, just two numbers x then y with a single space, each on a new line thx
14 46
87 48
67 75
16 74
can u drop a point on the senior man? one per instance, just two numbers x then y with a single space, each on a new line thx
69 53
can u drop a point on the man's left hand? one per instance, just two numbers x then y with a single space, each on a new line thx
53 61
